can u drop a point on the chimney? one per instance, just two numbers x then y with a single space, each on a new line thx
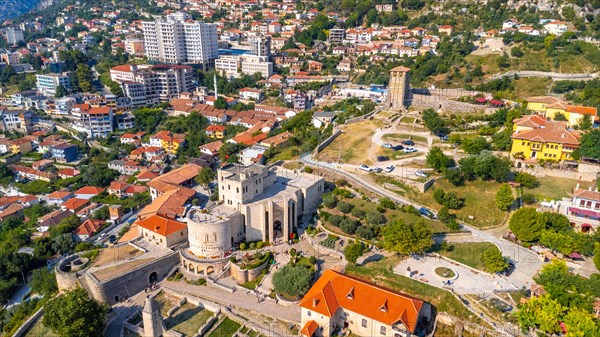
315 301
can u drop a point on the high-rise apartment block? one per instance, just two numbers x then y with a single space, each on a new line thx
176 39
260 45
150 84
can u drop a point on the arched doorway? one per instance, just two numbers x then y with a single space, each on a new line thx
210 270
153 278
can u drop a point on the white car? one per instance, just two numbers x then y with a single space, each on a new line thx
365 168
387 145
389 168
376 169
421 174
409 149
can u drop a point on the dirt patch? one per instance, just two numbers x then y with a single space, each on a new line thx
110 255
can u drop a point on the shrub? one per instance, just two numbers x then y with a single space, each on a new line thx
260 244
252 245
336 220
375 218
242 245
344 207
453 225
293 252
312 260
349 226
387 203
454 176
450 199
365 232
329 200
308 169
292 280
358 213
527 180
529 198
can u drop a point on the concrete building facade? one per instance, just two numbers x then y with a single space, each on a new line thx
399 96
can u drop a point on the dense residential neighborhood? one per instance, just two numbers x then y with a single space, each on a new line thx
282 168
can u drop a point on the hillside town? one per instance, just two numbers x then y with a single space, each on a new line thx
281 168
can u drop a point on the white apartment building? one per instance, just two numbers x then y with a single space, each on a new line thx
48 84
232 65
14 35
557 28
257 64
229 64
147 84
175 40
260 45
17 120
95 121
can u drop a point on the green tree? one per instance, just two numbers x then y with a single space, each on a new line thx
205 176
590 145
75 314
61 91
504 197
345 207
597 255
527 224
527 180
542 313
580 323
83 74
406 239
102 213
559 116
475 145
353 251
221 103
437 160
292 280
493 260
434 122
43 281
585 122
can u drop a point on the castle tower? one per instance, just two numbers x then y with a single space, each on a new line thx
399 88
154 325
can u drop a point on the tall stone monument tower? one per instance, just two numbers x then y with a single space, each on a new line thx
154 325
399 89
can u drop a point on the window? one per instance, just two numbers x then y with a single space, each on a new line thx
382 330
363 323
308 313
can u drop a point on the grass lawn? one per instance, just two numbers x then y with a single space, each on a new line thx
488 63
286 153
39 330
468 253
165 302
398 137
407 119
188 319
531 86
480 202
380 273
555 188
226 329
353 145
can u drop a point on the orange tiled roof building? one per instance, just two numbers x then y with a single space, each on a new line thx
337 301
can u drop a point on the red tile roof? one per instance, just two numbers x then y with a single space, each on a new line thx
89 227
334 290
161 225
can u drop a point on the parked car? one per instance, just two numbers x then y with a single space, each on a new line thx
409 149
364 168
398 148
112 239
509 270
408 142
377 169
425 212
421 174
383 158
389 168
387 145
443 137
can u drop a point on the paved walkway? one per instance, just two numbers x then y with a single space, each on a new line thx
467 281
526 262
241 299
121 311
